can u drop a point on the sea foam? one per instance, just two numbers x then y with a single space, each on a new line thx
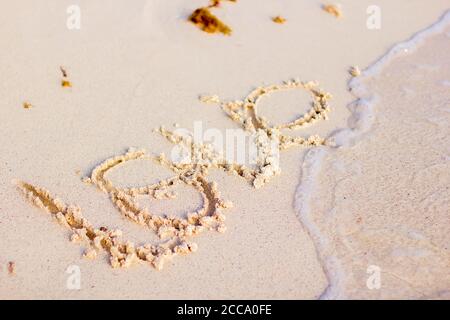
358 125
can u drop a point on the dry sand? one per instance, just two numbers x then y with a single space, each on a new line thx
135 67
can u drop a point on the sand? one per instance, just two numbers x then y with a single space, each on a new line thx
382 202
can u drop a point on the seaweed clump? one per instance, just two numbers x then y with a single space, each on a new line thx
333 10
279 19
206 21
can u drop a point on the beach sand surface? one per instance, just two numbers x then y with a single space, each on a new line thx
134 67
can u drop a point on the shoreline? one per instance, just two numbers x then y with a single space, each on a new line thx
361 124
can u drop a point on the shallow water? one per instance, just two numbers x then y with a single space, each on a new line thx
378 206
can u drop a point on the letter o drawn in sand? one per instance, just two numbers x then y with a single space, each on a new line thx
246 112
269 139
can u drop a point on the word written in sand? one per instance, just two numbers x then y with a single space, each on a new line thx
174 232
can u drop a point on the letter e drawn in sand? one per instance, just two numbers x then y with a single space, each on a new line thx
174 232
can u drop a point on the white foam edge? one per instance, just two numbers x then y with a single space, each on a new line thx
359 123
362 109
